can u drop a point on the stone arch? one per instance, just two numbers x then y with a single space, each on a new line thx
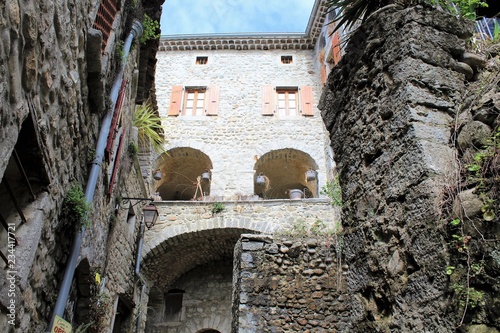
178 251
284 171
201 264
82 292
185 174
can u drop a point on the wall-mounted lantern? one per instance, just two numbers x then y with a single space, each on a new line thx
149 213
311 175
205 175
157 174
260 180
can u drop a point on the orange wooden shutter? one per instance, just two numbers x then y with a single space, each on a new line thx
175 101
213 100
268 101
306 101
323 73
336 54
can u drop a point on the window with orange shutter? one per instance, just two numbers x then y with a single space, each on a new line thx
194 101
287 101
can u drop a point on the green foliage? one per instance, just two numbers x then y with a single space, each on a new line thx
149 126
465 8
468 297
75 207
475 297
132 149
217 208
450 270
119 51
488 208
496 32
150 29
455 222
333 191
349 12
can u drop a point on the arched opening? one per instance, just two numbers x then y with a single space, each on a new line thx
82 293
208 330
192 278
185 174
283 173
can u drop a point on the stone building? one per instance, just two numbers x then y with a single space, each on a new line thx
247 152
70 72
254 161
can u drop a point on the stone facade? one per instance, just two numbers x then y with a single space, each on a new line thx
50 119
233 145
240 134
189 236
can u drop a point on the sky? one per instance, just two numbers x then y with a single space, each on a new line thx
234 16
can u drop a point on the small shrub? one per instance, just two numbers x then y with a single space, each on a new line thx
75 207
150 29
149 127
217 208
132 149
333 191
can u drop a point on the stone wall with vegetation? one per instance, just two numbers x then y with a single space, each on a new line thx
413 118
44 104
393 106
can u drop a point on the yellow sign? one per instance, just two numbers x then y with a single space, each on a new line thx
60 326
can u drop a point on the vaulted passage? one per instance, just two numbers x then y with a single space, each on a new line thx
191 276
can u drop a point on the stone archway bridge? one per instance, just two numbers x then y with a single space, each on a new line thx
188 233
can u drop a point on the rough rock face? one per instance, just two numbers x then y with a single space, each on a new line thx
290 284
389 107
45 116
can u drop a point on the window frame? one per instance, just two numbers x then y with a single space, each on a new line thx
304 101
196 90
287 92
286 59
201 60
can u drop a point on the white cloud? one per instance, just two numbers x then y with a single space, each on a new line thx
238 16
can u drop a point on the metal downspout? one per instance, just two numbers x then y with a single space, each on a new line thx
62 296
139 250
138 274
139 312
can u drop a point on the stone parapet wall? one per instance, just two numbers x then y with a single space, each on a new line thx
264 216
